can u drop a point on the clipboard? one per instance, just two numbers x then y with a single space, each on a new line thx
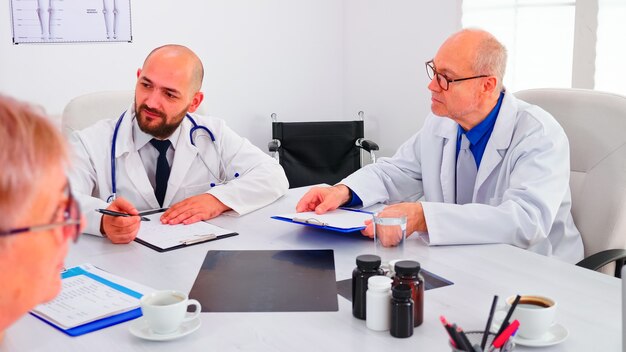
164 238
207 238
342 220
103 322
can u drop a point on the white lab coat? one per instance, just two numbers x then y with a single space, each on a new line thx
261 180
521 196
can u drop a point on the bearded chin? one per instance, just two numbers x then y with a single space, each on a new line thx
164 129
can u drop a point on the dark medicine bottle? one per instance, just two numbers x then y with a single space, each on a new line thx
401 311
367 265
408 273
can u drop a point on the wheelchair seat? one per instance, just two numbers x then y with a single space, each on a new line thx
321 151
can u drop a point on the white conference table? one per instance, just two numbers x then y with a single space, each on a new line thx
589 302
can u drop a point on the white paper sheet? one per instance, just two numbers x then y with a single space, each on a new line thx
167 236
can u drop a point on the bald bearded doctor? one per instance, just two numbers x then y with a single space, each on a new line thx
158 154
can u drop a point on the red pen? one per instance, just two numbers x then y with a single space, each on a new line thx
506 334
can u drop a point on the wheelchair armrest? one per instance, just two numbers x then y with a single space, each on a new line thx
366 145
600 259
273 145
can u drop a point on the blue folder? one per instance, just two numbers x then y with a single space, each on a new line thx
104 322
318 225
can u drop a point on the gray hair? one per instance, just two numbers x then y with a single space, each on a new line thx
490 57
29 146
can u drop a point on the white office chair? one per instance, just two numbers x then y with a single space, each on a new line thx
84 110
595 124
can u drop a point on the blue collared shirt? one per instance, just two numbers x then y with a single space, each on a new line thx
480 134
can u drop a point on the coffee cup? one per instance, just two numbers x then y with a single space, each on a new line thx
165 311
536 314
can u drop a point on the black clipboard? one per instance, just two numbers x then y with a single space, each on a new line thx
161 250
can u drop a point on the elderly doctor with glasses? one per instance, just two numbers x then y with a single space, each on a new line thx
39 215
485 167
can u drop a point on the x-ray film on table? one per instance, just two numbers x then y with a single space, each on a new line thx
267 281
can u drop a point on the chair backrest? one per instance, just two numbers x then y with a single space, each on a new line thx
595 124
318 152
83 111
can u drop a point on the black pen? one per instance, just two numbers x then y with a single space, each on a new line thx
494 303
505 322
117 213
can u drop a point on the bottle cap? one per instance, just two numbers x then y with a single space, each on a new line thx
407 267
401 291
368 261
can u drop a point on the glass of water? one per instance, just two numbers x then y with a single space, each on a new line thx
389 234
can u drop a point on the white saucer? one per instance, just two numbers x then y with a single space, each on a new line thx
140 328
556 334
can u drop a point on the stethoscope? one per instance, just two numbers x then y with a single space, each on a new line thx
196 127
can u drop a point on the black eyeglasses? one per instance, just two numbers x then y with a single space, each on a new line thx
442 80
70 224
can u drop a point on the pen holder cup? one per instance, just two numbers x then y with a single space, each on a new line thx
476 337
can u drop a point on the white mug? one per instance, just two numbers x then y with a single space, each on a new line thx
536 314
165 310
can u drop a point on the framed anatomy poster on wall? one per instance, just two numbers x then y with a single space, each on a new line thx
71 21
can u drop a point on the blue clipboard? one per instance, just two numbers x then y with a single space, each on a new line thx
101 323
319 225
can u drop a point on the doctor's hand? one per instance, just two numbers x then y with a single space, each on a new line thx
415 220
193 209
120 229
323 199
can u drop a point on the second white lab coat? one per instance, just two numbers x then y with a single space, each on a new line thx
259 178
521 196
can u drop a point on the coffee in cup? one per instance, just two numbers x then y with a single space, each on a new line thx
165 311
536 314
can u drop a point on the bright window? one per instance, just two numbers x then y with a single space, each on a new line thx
539 37
610 72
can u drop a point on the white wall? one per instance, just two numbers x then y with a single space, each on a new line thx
260 57
303 59
386 44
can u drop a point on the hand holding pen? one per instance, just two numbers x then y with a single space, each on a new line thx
120 228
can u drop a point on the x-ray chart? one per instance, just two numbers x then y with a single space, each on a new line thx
71 21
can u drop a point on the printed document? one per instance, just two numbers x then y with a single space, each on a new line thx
85 298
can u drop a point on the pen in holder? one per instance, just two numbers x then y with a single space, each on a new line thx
475 338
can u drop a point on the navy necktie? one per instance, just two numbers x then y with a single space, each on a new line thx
162 169
465 173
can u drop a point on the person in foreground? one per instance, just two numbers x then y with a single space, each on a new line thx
485 167
158 155
39 215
